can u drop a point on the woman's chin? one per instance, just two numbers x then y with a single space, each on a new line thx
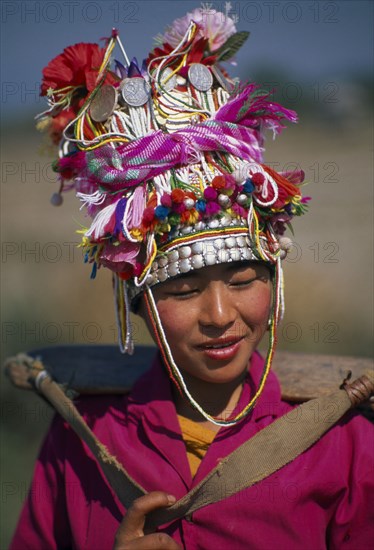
217 372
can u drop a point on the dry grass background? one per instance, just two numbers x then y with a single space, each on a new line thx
49 299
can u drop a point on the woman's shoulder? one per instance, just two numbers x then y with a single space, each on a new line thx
101 413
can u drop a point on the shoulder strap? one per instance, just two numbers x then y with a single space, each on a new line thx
259 457
269 450
31 371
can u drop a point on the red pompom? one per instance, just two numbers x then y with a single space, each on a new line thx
177 195
219 182
148 215
258 178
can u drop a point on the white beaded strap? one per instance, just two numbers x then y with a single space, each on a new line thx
176 371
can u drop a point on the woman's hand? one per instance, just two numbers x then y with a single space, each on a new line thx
130 535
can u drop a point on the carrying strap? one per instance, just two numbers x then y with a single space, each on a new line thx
269 450
125 487
256 459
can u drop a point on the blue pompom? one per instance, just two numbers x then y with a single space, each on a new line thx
248 187
161 212
200 205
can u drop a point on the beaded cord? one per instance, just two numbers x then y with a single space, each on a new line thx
122 308
176 375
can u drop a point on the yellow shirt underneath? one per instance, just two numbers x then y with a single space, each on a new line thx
197 440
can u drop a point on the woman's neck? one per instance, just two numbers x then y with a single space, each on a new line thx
218 400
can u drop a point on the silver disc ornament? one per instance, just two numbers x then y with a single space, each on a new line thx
135 91
166 82
104 103
221 79
200 77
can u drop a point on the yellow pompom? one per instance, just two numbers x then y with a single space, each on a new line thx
136 234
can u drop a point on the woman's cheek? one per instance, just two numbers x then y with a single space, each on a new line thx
256 307
175 320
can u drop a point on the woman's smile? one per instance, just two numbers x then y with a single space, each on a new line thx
223 350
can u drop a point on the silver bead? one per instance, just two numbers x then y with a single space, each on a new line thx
200 226
241 199
225 220
223 200
162 262
210 258
151 280
173 269
235 254
197 248
162 275
230 242
186 230
240 241
218 244
154 267
223 256
185 266
173 256
197 261
213 224
185 252
189 203
246 254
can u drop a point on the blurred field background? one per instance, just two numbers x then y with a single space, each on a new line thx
47 295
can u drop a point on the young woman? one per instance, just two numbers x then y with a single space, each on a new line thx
168 159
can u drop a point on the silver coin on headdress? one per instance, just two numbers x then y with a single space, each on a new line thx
167 82
135 91
222 80
103 104
200 77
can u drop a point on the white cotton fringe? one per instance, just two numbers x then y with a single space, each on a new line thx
93 199
97 228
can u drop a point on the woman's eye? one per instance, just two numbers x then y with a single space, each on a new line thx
245 282
183 293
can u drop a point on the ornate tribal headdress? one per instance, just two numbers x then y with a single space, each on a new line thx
168 159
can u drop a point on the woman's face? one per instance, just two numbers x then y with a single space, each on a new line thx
215 317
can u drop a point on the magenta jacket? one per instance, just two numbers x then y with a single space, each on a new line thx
323 499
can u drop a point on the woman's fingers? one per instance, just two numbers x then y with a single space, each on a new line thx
131 531
132 525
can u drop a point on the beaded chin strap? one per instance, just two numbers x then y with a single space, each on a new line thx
175 373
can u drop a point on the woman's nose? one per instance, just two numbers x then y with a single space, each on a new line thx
219 308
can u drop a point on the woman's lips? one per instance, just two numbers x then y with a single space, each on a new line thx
221 350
